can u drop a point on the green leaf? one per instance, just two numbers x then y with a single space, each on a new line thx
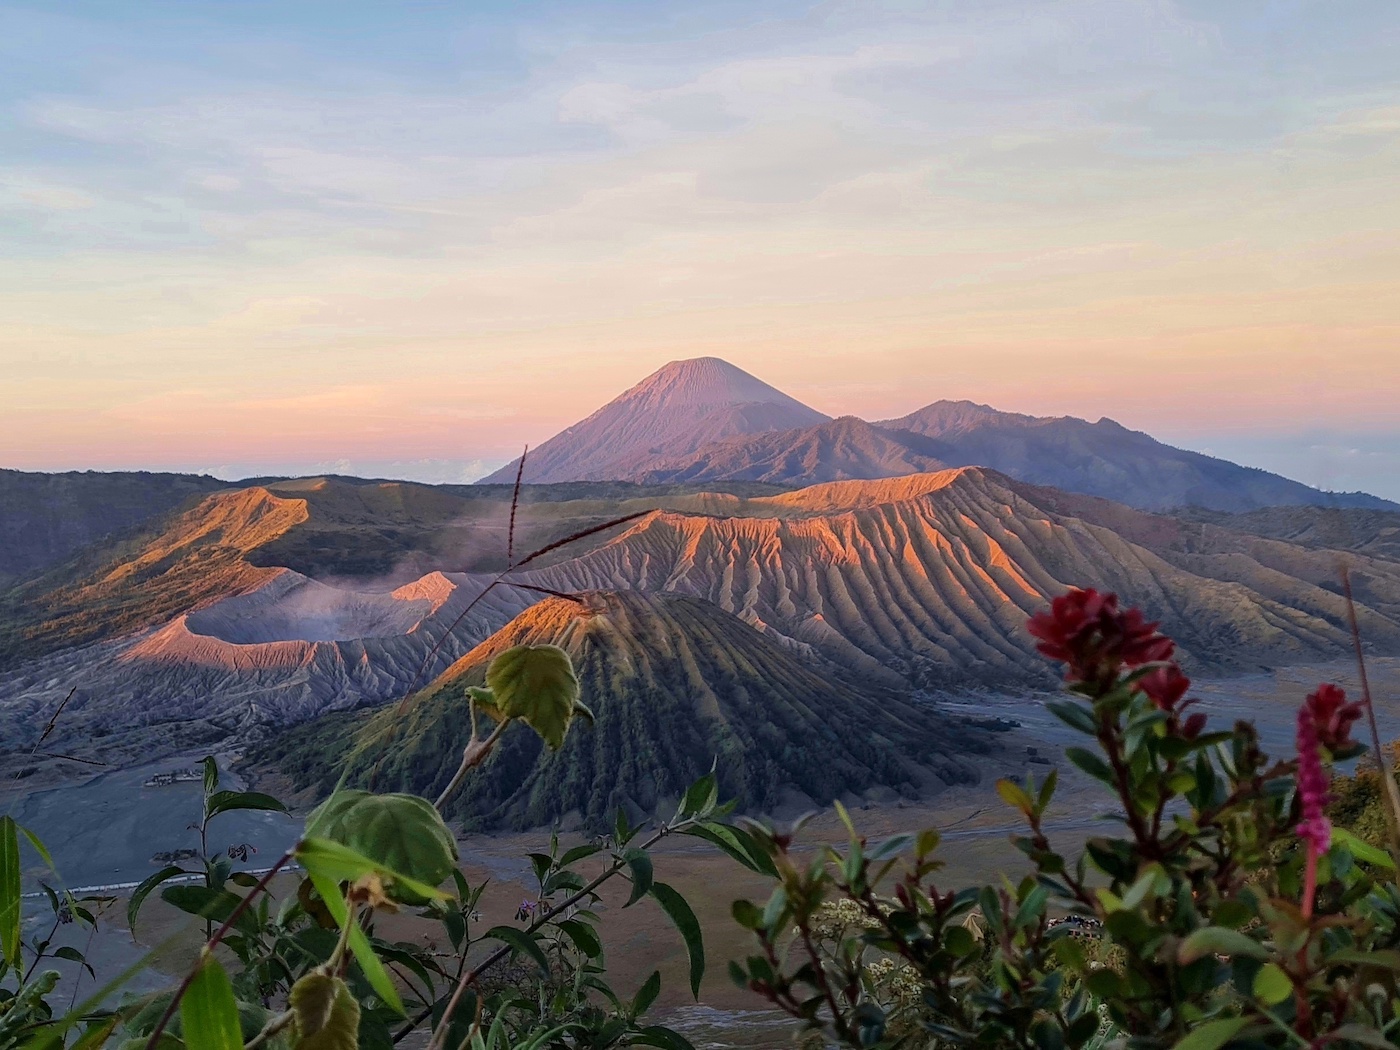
583 936
1213 1034
1363 1034
1362 850
681 915
39 847
327 1015
641 867
1271 984
646 994
663 1037
211 775
224 801
1015 796
1074 715
402 834
521 943
579 853
738 844
342 864
1217 940
214 905
700 798
208 1011
1090 763
1385 958
141 892
10 900
363 951
536 684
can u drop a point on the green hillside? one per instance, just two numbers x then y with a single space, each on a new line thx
676 683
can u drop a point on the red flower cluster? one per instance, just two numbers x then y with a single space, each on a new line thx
1313 784
1166 688
1332 717
1088 632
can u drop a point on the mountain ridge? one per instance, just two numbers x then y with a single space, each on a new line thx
675 684
662 431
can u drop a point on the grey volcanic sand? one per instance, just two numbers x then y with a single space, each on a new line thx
103 831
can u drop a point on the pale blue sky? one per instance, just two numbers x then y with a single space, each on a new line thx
408 237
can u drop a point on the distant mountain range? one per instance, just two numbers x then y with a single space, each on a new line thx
262 607
705 420
790 593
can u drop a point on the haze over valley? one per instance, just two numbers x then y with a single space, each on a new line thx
774 573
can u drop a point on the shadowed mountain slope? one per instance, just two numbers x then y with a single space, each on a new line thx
684 405
1374 532
676 684
46 518
837 450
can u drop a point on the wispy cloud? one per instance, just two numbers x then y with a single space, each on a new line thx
505 216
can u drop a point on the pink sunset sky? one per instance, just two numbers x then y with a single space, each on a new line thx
239 244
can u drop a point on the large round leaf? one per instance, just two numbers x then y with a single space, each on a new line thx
403 833
536 684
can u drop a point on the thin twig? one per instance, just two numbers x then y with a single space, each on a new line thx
574 537
504 950
66 758
514 503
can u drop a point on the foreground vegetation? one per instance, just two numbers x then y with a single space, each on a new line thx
1227 911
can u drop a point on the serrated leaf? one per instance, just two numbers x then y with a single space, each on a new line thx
536 684
327 1015
343 864
402 834
209 1012
678 910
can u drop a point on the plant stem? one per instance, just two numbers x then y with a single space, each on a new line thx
213 943
504 950
271 1030
472 755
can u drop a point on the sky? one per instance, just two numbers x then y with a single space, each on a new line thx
403 239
